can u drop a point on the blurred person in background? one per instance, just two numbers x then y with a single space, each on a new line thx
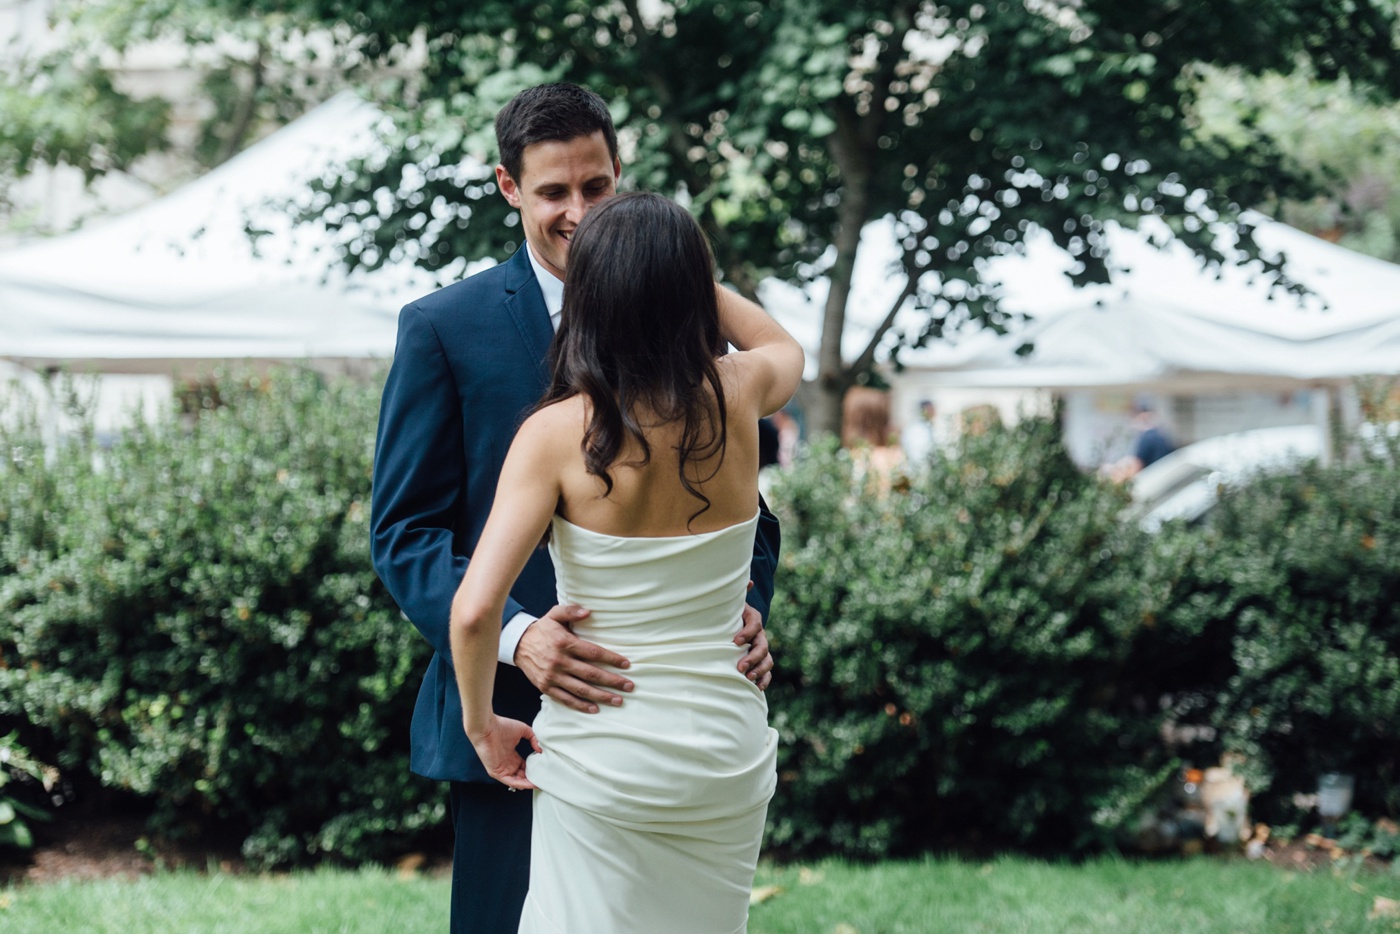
865 432
1151 445
918 438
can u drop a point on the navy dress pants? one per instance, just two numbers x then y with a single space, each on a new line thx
490 858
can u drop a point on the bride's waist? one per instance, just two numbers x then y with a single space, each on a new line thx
625 616
665 694
650 639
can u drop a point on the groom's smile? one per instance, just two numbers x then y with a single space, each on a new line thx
560 181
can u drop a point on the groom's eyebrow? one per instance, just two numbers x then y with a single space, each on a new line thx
546 186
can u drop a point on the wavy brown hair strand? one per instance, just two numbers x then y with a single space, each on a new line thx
640 328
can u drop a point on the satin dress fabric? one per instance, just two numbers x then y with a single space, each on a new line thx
649 816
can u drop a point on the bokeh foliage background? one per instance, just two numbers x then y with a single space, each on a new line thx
981 653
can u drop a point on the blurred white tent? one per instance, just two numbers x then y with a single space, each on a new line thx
1164 328
1164 321
179 281
178 284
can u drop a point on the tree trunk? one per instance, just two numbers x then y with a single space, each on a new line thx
854 147
833 377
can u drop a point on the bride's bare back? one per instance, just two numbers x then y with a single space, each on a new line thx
648 498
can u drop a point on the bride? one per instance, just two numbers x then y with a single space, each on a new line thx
640 465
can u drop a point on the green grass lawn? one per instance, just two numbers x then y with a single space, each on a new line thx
1200 896
376 901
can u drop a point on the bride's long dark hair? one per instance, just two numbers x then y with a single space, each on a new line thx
640 327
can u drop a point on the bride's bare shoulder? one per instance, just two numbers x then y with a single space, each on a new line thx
557 424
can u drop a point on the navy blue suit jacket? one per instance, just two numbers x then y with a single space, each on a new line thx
469 365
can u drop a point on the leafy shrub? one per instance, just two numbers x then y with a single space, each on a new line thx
978 653
961 656
1301 572
190 614
16 811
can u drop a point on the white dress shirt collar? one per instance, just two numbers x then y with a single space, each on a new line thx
552 287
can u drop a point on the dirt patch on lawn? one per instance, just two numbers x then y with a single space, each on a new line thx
90 843
96 845
1305 856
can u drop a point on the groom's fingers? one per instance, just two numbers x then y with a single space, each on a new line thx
757 665
582 694
762 672
752 635
750 625
597 655
568 643
565 667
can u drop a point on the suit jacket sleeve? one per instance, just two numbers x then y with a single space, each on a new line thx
765 560
420 483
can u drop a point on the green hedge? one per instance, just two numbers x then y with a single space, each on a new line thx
21 794
985 653
990 651
955 658
190 615
1300 575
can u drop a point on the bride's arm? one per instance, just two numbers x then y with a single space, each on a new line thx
526 496
768 369
771 360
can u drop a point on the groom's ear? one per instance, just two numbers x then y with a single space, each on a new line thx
509 189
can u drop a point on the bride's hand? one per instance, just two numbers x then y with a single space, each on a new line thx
496 745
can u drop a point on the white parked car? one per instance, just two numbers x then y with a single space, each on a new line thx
1187 482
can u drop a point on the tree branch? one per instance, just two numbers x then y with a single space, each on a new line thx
247 109
867 356
676 140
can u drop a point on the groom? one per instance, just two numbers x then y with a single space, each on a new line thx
470 362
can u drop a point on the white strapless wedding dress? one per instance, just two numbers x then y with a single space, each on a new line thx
649 816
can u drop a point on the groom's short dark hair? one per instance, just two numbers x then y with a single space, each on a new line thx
550 112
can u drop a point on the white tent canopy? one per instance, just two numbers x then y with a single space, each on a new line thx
1163 323
179 280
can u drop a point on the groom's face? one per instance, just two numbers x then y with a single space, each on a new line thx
560 181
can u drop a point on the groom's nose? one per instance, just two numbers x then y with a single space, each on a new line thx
576 207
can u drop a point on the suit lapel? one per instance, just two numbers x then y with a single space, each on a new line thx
525 302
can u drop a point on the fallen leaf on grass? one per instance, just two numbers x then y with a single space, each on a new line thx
844 928
1384 907
763 893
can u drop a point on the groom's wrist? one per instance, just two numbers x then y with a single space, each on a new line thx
511 635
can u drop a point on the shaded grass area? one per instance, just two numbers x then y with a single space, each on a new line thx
1200 896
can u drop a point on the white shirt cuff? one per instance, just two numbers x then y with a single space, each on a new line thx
510 636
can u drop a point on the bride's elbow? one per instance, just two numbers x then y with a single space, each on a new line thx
788 372
469 618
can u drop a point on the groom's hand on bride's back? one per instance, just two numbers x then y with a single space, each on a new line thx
565 667
757 663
